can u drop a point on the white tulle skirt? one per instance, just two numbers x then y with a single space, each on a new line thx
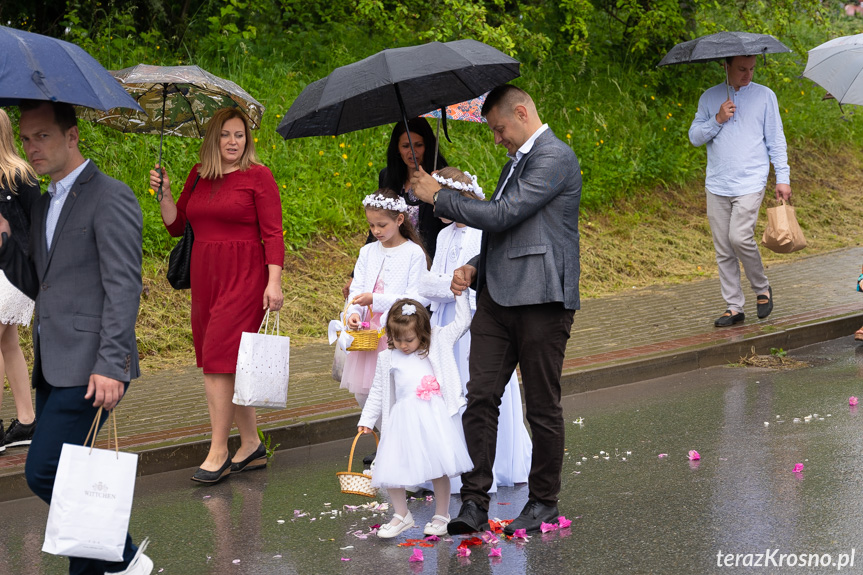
421 443
15 307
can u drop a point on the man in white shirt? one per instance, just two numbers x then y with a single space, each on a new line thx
743 133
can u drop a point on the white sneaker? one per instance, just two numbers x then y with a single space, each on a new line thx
440 529
389 530
140 563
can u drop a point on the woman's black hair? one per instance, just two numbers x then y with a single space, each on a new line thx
397 172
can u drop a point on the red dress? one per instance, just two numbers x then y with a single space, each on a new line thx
237 222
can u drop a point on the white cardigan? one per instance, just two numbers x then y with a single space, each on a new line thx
382 394
435 283
403 267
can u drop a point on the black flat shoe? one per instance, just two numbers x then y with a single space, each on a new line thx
765 303
212 477
256 460
727 319
471 519
532 517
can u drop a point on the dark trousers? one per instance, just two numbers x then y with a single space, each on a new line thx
64 417
533 337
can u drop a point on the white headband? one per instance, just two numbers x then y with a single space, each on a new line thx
450 183
409 309
384 203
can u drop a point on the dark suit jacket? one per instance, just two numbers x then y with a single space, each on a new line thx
87 287
530 252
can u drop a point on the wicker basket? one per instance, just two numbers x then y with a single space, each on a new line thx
364 339
353 482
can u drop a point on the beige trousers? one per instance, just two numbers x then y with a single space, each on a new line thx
732 222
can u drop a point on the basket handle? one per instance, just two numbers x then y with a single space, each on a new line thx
344 313
354 445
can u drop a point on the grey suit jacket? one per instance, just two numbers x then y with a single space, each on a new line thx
87 287
529 251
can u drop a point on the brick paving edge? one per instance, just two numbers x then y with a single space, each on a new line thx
579 380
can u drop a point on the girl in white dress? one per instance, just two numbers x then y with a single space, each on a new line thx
386 270
416 392
456 245
19 190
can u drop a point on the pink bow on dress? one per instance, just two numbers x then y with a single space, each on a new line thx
428 386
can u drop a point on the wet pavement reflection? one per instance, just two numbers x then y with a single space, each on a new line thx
637 503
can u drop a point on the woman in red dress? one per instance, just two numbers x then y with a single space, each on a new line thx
233 205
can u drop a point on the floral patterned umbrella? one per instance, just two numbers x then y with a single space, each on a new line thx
177 100
467 111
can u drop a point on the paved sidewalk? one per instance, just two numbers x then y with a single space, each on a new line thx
168 408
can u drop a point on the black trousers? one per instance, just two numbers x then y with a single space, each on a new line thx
533 337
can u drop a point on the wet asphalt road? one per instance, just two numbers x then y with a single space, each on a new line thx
632 511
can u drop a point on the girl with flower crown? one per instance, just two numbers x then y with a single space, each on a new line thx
386 270
416 394
456 245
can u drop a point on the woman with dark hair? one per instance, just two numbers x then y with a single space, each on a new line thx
396 176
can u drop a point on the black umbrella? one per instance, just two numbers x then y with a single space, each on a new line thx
397 84
36 67
723 45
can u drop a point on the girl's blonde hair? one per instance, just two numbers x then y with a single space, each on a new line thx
12 167
406 229
452 173
211 156
419 321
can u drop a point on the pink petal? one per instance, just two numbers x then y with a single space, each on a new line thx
235 561
852 400
520 534
663 455
563 522
432 538
417 556
345 559
494 552
489 537
798 468
546 527
694 455
463 552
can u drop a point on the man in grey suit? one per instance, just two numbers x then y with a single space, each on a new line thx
526 277
84 272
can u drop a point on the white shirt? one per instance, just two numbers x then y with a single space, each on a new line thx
739 152
59 192
519 153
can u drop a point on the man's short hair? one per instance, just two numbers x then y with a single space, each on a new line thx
64 114
729 59
505 95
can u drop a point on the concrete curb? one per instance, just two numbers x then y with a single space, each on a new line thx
189 455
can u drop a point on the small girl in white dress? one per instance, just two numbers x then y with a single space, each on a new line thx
416 392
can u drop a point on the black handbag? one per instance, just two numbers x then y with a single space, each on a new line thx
180 261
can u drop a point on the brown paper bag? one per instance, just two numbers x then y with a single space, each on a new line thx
783 234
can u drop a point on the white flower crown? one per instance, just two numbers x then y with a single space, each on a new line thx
450 183
384 203
409 309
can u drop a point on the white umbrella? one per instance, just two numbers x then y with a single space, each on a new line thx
837 66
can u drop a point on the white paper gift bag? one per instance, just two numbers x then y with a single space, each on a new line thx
262 367
92 501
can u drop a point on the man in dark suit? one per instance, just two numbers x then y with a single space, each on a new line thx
84 273
526 277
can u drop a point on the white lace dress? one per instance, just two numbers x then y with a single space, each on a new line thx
15 307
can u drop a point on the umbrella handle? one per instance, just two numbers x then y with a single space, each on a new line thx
160 194
407 128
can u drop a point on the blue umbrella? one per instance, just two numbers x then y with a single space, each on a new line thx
36 67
